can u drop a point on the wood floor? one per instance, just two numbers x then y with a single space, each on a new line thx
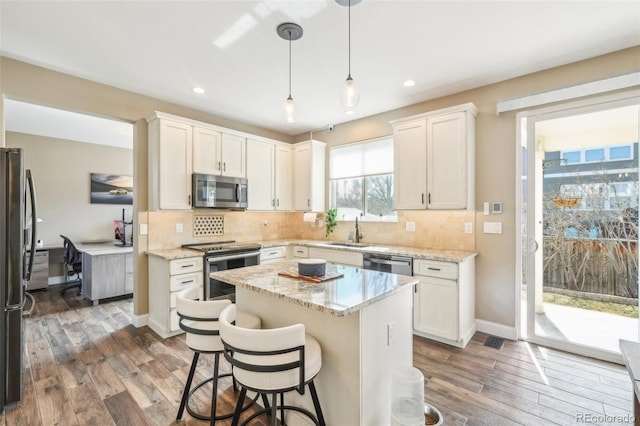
87 365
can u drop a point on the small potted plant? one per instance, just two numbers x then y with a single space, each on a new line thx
330 219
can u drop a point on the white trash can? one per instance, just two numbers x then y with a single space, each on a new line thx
407 396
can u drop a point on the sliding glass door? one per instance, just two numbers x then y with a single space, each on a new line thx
579 222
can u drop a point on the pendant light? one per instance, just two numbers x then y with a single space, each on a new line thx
289 31
349 95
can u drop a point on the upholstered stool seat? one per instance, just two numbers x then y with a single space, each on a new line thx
271 362
199 320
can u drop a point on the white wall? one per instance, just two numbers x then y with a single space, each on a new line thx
61 171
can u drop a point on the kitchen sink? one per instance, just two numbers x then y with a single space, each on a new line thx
347 244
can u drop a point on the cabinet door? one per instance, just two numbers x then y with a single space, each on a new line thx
283 178
233 152
175 165
410 165
302 172
337 256
435 307
260 175
108 276
447 161
206 151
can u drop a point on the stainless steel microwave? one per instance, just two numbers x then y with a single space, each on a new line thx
219 192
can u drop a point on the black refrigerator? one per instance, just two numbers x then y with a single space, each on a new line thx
16 231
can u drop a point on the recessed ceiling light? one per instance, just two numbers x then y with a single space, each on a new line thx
409 83
198 90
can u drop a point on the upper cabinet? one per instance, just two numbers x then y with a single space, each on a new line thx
269 175
206 151
434 159
170 165
232 156
309 176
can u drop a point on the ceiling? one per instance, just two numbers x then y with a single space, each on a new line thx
231 49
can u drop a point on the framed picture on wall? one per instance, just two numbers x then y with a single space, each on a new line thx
111 189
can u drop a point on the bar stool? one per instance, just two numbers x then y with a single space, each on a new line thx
199 320
271 362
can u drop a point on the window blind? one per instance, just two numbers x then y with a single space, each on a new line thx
361 159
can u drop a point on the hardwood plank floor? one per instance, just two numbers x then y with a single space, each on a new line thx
87 365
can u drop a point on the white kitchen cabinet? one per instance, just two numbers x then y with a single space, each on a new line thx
269 176
170 164
232 156
272 254
167 278
444 301
206 151
434 160
309 176
342 257
299 251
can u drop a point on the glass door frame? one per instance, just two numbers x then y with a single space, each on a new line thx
531 267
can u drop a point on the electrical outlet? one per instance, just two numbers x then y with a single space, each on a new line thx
391 333
178 228
410 226
468 228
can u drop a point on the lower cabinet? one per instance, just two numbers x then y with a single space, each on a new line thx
272 254
337 256
444 301
106 275
167 278
40 273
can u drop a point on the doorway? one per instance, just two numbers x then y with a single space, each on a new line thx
579 226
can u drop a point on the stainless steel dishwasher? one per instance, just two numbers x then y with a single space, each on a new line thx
400 265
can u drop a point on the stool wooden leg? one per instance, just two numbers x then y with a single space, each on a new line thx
316 403
214 389
187 386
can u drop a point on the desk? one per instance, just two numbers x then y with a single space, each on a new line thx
107 270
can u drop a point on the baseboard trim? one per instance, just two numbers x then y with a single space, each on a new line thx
495 329
140 320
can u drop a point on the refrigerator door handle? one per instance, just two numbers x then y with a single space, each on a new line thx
34 221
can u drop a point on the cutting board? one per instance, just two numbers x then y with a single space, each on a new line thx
293 273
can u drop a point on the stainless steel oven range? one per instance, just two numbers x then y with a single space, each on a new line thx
220 256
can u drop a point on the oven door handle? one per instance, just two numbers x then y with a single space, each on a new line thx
214 259
388 262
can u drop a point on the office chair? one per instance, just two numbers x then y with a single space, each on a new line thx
72 264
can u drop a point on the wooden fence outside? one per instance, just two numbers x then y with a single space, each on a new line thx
602 266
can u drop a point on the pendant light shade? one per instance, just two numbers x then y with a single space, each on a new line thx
289 31
350 95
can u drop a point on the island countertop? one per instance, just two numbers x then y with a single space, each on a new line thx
341 296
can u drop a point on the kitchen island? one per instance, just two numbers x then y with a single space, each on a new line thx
362 321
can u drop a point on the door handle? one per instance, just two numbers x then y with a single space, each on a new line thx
532 245
34 222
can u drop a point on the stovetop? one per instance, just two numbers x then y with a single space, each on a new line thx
222 247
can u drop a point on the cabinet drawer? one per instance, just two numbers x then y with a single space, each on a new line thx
272 253
435 268
174 296
183 266
301 251
182 281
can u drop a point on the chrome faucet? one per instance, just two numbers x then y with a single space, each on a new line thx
358 234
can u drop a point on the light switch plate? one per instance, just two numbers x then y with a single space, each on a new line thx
143 229
468 228
178 228
492 227
486 209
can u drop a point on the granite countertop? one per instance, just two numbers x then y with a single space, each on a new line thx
417 253
340 297
177 253
456 256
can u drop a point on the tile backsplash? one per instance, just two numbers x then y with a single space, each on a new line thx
433 229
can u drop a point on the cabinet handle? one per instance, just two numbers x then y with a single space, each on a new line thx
308 202
218 165
429 198
186 282
433 269
187 266
422 195
274 252
189 199
278 202
224 166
